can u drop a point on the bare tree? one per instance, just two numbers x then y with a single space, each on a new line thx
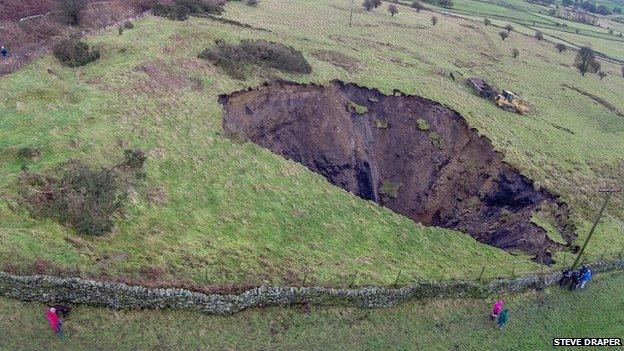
487 21
602 74
503 35
561 47
508 28
368 5
515 52
434 20
69 11
585 61
392 8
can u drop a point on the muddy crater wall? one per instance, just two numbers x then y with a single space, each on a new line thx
407 153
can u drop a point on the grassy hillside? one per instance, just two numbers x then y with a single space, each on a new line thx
237 213
535 318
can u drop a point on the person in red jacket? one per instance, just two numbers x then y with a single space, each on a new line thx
496 309
55 322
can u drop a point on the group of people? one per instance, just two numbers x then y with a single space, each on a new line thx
575 279
54 314
499 314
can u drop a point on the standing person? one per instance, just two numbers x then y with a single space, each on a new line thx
55 322
585 278
4 52
502 319
496 309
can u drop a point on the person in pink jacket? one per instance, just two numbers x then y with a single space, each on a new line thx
55 322
496 309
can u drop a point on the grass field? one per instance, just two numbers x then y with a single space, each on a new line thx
235 213
535 319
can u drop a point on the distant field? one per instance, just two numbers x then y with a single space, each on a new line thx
235 213
535 319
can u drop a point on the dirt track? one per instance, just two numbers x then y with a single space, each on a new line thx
407 153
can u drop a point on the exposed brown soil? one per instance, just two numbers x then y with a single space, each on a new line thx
407 153
337 59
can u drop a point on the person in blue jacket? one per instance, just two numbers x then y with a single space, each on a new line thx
587 274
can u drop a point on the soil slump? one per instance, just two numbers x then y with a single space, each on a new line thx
410 154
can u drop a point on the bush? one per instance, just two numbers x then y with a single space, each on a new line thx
561 47
434 20
509 28
128 25
602 74
515 52
445 3
487 21
417 6
539 35
180 10
74 53
368 5
83 198
392 8
236 59
29 153
503 35
69 11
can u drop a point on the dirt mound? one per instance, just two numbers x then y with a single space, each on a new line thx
407 153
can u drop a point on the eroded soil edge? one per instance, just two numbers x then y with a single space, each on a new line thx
407 153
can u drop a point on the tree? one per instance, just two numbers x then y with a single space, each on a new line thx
69 11
487 21
368 5
417 6
515 52
509 28
602 74
560 47
434 20
377 3
503 35
445 3
539 35
392 8
585 61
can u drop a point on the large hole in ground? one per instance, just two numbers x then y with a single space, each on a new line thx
407 153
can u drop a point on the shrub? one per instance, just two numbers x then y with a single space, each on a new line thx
434 20
120 29
128 25
585 61
69 11
539 35
376 3
602 74
509 28
417 6
445 3
392 8
29 153
368 5
561 47
487 21
235 59
515 52
83 198
74 53
503 35
180 10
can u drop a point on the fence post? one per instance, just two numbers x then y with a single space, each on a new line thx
353 280
396 281
481 274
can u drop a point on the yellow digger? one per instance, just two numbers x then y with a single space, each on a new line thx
509 102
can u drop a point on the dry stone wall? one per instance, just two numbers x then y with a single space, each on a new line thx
48 289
